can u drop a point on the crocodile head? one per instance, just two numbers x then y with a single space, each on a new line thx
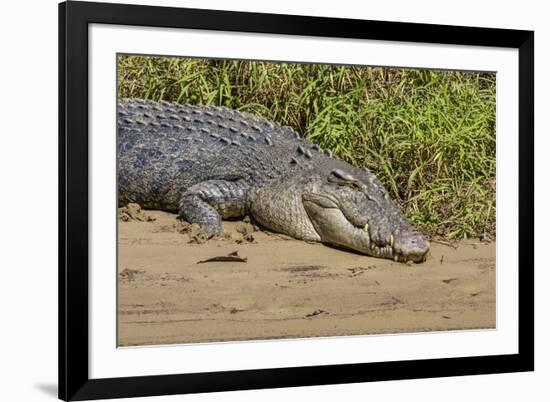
345 208
355 211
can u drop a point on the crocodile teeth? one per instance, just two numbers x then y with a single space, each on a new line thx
366 228
395 258
391 240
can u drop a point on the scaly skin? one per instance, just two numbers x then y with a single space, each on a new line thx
212 163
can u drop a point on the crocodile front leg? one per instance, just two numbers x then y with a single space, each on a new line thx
208 202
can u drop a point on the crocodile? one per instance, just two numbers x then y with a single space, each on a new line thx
210 163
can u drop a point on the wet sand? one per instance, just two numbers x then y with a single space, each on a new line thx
288 288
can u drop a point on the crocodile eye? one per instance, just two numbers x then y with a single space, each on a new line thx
340 175
355 185
342 178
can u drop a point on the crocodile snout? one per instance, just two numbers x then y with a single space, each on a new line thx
411 246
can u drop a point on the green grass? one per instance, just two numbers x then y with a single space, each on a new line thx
428 135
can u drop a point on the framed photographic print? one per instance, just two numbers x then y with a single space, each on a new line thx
258 200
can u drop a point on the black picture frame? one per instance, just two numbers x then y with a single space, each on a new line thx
74 381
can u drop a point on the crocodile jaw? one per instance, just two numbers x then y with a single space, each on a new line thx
332 227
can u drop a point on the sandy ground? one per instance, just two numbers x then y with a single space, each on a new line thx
288 288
